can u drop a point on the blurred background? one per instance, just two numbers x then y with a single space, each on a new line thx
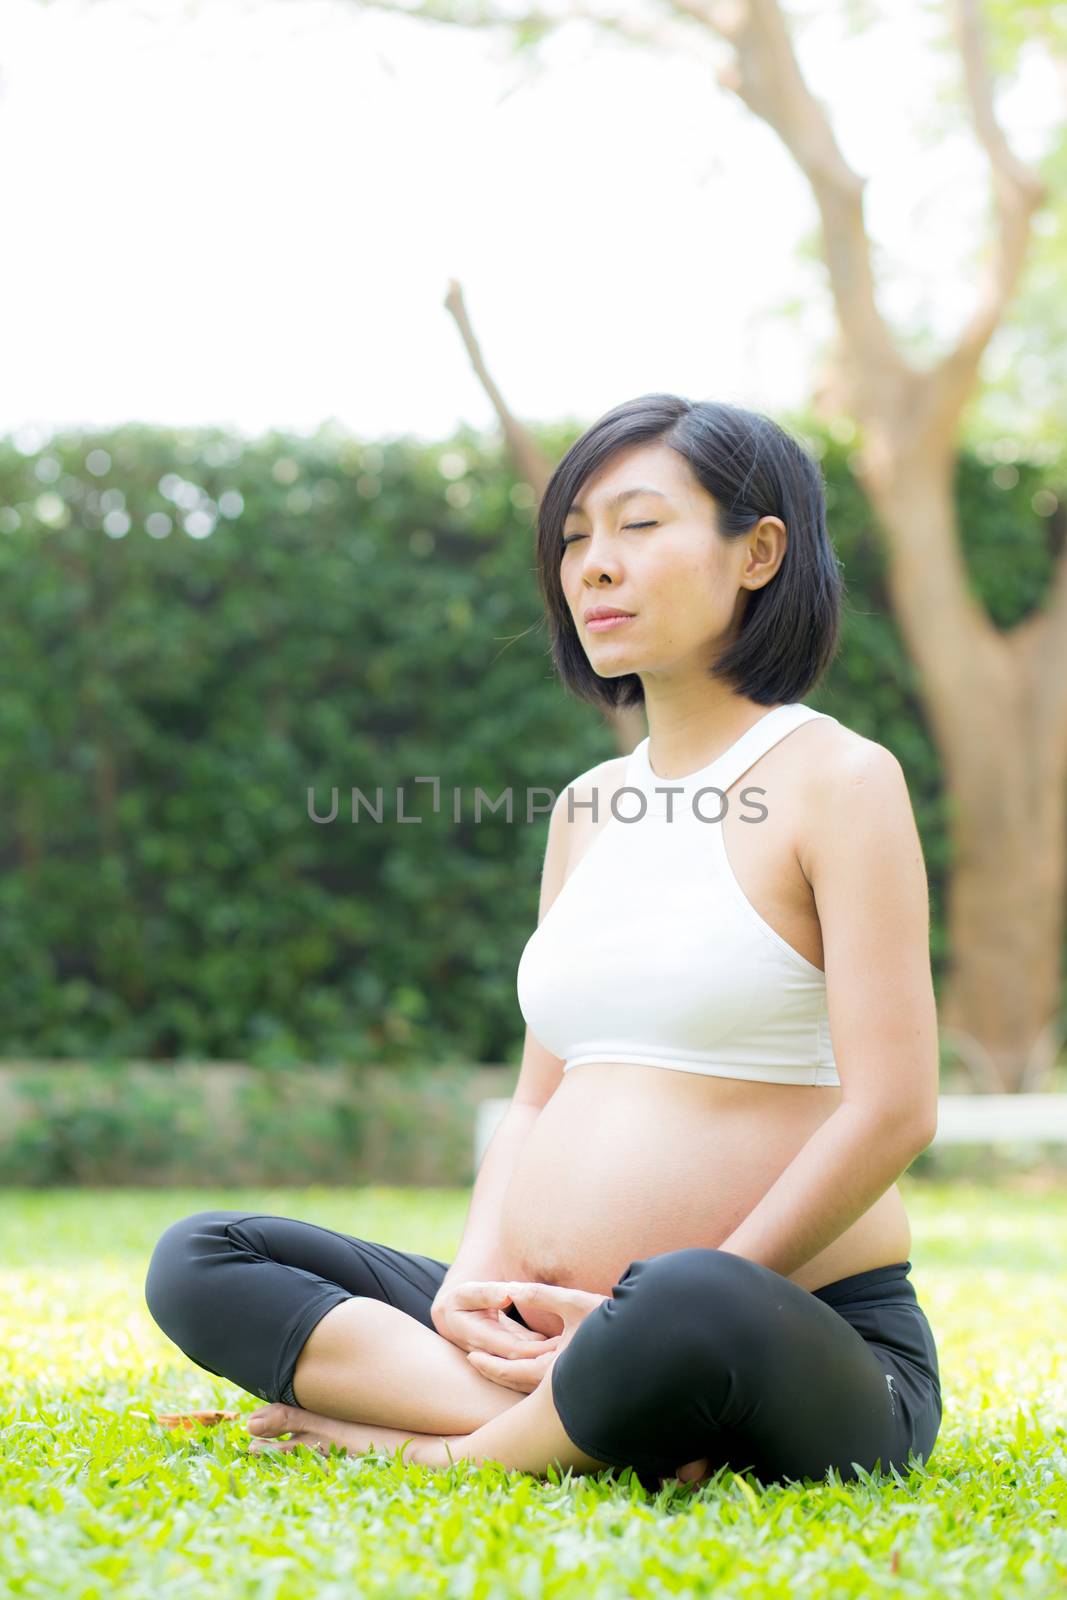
301 303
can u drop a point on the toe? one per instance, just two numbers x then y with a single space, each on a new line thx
271 1420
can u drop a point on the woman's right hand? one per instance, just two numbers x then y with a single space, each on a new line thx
471 1315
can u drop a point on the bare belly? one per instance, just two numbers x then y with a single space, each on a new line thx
626 1162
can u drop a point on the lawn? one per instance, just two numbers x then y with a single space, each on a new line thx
99 1500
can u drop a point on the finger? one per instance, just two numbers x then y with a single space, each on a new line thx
521 1352
546 1293
500 1341
478 1296
517 1329
555 1297
522 1375
550 1297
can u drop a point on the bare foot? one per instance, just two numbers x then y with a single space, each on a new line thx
691 1472
320 1433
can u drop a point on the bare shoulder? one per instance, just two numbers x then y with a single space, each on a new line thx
838 751
849 782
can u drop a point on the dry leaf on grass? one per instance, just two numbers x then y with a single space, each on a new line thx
189 1419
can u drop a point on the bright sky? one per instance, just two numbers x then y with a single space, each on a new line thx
247 212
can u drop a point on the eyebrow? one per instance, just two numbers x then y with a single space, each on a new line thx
614 500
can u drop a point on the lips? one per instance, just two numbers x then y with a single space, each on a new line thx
599 612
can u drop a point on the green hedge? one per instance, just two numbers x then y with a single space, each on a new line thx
154 1126
197 628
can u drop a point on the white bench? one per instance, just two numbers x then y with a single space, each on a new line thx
996 1119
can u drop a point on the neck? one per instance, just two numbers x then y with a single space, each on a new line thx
684 736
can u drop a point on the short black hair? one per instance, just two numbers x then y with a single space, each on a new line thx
753 468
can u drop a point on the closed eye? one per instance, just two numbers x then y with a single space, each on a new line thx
574 536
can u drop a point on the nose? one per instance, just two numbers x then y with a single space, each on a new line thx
598 561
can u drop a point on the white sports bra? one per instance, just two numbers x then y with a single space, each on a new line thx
651 954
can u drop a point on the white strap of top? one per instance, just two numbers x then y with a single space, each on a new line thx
757 741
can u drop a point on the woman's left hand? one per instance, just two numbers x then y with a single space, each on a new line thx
524 1372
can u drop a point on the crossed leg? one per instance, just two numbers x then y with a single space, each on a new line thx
698 1349
356 1378
356 1373
237 1290
527 1437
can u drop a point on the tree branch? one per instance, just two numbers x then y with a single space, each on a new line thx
765 74
527 458
1017 193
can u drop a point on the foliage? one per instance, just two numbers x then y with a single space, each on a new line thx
122 1123
200 630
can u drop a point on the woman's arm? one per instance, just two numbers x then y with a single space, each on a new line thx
479 1253
862 855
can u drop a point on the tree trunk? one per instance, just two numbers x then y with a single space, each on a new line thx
1003 742
1005 909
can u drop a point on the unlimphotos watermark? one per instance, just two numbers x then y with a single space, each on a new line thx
539 801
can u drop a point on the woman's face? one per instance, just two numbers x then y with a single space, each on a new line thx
658 555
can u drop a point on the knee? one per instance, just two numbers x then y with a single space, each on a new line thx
672 1326
677 1275
658 1338
693 1298
176 1261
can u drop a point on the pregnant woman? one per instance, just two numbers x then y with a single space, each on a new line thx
685 1248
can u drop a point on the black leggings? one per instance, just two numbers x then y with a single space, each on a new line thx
697 1352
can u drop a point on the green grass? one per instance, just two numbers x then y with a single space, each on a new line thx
98 1500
